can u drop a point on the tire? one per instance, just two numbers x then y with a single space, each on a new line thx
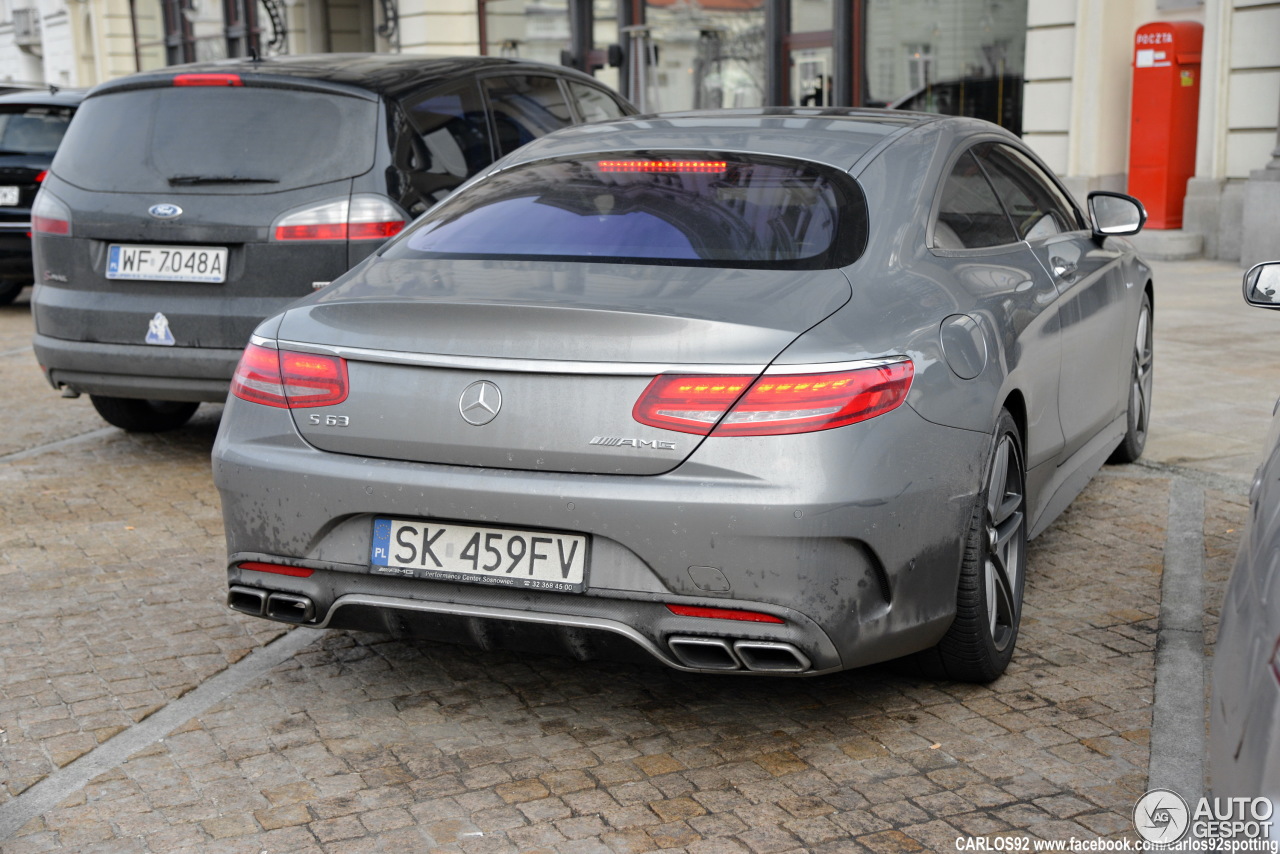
1140 377
9 291
143 416
980 642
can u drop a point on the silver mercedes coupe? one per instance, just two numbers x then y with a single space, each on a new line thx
763 391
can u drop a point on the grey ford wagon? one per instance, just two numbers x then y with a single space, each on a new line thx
185 205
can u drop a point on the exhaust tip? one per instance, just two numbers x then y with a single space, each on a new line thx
704 653
289 608
247 600
772 657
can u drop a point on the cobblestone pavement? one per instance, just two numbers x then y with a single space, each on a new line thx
111 561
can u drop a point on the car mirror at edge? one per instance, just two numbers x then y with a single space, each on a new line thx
1262 285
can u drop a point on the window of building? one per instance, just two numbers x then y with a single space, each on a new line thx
964 57
171 32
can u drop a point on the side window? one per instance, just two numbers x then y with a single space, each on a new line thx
1039 209
446 141
594 105
970 215
525 108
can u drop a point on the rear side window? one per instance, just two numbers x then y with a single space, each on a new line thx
525 108
652 208
969 214
455 133
217 139
593 104
33 129
444 141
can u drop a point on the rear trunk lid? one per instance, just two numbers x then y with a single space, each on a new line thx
536 366
199 175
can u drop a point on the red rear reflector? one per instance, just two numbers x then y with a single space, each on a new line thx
661 165
49 225
374 230
207 80
320 231
774 404
289 380
41 175
295 571
723 614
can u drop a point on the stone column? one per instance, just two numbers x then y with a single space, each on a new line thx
1261 237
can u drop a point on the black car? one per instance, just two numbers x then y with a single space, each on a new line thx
32 123
187 204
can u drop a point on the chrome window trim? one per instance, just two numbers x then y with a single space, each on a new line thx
552 366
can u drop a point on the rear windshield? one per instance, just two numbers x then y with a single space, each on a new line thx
216 139
651 208
32 129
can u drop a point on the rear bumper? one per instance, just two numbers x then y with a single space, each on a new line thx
853 537
141 371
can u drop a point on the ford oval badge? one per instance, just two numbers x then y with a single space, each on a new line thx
165 211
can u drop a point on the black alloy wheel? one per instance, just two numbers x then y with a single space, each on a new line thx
1140 383
143 416
9 291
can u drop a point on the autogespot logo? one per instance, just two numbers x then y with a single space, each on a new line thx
1161 816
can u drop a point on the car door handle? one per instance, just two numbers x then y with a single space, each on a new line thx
1063 269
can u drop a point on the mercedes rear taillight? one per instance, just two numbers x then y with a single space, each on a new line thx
49 215
775 403
362 217
288 379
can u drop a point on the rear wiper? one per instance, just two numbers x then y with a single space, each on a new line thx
187 180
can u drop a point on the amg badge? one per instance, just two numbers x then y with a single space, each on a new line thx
614 441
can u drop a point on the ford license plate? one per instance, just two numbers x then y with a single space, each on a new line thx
167 263
535 560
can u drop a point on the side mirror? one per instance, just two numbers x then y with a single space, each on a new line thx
1115 214
1262 285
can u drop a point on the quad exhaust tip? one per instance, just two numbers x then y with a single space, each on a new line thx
727 655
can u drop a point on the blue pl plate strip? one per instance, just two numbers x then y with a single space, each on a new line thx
381 541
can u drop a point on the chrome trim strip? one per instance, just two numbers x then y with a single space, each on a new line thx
832 367
519 366
554 366
24 226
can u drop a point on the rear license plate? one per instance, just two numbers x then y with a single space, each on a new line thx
167 263
8 196
537 560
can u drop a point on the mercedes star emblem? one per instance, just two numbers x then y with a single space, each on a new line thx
480 403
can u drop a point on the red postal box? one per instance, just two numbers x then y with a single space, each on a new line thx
1162 130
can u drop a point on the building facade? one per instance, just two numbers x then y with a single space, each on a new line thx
1059 72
